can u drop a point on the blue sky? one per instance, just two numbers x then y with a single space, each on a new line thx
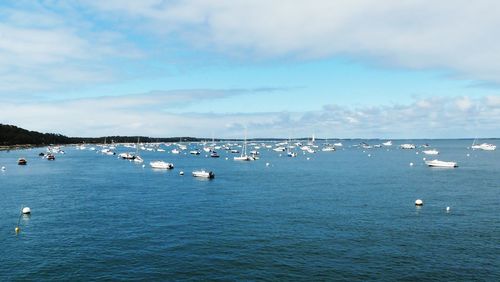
369 69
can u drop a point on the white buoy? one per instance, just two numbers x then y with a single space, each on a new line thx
26 210
419 202
143 165
308 158
369 155
447 209
411 164
181 173
468 155
267 164
3 168
416 153
227 159
423 159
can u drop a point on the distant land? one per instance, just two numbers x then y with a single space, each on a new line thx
13 136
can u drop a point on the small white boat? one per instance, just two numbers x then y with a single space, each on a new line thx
203 174
175 151
328 149
194 152
388 143
138 159
484 147
126 156
431 152
437 163
161 165
338 144
244 158
407 146
279 149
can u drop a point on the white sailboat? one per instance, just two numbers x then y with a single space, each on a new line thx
244 156
137 158
483 146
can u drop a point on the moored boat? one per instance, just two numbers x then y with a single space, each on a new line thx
161 165
438 163
22 161
203 174
484 147
431 152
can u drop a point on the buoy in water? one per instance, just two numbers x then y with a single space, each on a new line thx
369 155
143 165
26 210
308 158
419 202
3 168
181 173
468 155
423 159
267 164
447 209
411 164
17 229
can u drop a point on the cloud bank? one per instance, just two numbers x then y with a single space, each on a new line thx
458 36
439 117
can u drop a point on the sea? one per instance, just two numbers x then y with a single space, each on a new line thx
348 215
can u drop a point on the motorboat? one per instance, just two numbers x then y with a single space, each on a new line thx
161 165
126 156
203 174
431 152
175 151
50 157
214 154
338 144
194 152
484 147
22 161
328 149
407 146
387 143
437 163
291 154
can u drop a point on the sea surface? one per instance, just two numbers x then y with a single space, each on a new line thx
343 215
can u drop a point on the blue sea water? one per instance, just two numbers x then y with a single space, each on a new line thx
344 215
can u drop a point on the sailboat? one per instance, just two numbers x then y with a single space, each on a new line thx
244 156
483 146
137 158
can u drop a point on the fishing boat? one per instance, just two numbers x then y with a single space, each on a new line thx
161 165
203 174
431 152
22 161
437 163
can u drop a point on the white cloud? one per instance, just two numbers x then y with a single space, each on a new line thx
454 35
127 116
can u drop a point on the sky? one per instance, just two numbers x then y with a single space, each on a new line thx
338 69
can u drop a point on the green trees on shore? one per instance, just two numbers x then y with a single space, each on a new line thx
11 135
